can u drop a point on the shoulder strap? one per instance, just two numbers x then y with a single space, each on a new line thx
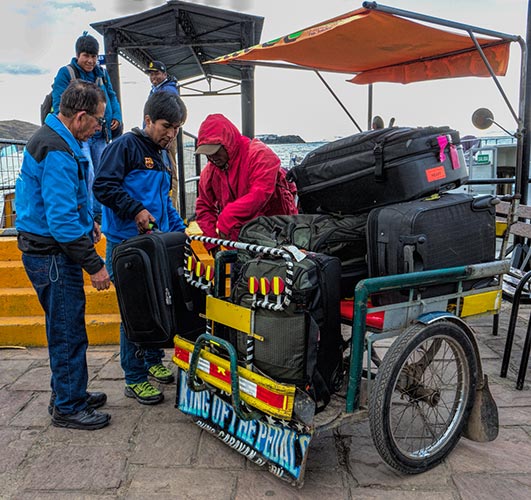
74 72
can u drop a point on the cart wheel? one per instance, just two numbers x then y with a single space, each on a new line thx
422 396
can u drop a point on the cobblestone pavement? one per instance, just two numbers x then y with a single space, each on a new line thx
156 452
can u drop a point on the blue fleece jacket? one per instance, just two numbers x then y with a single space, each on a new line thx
51 195
112 110
134 174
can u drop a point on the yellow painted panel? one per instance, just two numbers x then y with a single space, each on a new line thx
229 314
481 303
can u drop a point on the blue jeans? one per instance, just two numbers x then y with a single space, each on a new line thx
135 370
58 282
92 150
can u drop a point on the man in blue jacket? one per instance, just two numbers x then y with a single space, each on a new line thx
160 80
85 66
56 236
133 183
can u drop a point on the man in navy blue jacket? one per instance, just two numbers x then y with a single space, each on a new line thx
133 183
56 235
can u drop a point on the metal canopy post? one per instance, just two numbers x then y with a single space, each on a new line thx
110 46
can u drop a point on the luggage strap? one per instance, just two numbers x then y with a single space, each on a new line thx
378 162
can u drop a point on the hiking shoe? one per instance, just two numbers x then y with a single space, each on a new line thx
144 393
94 400
161 374
88 419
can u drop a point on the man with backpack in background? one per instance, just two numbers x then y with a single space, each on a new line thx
162 82
85 67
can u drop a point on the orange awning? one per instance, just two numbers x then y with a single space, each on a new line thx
381 47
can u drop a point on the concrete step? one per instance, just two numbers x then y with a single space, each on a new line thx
13 275
23 301
30 331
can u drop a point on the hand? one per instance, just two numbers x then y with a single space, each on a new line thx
96 232
114 124
142 220
101 279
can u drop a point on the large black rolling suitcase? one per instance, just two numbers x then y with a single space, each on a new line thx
302 344
379 167
431 233
343 237
154 299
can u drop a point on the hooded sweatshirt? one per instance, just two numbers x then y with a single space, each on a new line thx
250 185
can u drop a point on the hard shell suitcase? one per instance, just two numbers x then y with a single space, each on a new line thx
379 167
431 233
154 299
302 344
343 237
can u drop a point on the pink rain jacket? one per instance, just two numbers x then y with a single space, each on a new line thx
252 185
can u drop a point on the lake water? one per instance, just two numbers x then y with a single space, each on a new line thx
287 151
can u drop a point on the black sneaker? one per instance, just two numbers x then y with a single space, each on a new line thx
88 419
95 400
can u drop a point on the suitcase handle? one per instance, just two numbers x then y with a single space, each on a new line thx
254 249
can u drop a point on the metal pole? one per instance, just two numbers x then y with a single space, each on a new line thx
247 101
369 107
111 60
523 142
181 174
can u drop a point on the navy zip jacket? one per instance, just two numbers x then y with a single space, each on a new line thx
134 174
52 200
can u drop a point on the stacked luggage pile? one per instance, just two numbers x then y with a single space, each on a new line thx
378 203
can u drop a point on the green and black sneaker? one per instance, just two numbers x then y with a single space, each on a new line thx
144 393
161 374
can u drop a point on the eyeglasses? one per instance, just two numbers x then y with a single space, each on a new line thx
100 119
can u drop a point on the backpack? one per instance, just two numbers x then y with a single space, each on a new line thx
47 104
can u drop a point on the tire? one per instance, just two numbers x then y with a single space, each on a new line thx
422 396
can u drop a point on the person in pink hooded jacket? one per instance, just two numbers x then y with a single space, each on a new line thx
242 180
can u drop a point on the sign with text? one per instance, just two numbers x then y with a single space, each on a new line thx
281 445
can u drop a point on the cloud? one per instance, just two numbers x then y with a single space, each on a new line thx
21 69
86 6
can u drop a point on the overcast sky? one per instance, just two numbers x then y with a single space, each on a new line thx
38 36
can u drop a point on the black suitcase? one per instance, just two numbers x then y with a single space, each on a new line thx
379 167
432 233
154 299
302 344
343 237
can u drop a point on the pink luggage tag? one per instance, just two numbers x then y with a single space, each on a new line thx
446 140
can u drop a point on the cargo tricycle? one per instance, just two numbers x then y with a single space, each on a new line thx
412 367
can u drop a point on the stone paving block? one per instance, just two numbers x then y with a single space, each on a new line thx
26 353
111 370
11 402
368 469
166 412
15 444
61 495
515 416
509 452
34 413
117 434
368 493
11 370
509 396
34 379
212 453
165 444
323 454
79 468
184 484
495 486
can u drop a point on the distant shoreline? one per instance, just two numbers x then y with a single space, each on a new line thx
281 139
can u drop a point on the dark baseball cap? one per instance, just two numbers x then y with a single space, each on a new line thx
156 66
